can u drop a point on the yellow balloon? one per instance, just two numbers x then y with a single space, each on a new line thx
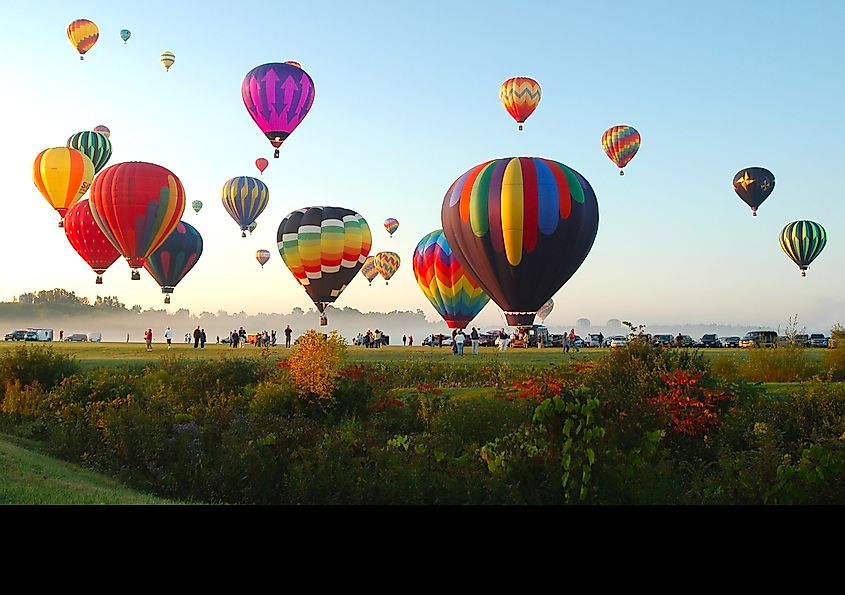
168 58
83 34
63 175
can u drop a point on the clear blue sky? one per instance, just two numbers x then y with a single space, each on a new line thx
407 100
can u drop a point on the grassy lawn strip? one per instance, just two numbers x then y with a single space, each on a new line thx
30 477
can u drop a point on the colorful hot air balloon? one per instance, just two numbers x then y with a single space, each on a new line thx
244 199
252 227
620 143
196 206
545 310
455 296
261 164
96 146
83 34
369 269
520 227
168 58
125 34
520 96
391 225
324 248
387 263
293 63
62 175
803 241
278 97
137 205
175 257
754 185
104 130
88 240
262 256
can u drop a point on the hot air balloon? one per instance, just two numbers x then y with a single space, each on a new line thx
261 164
455 296
520 227
196 206
262 256
387 263
88 240
137 205
803 241
104 130
169 264
83 34
369 269
324 248
252 227
168 58
545 310
244 199
278 97
125 34
62 175
754 185
391 225
293 63
96 146
620 143
520 96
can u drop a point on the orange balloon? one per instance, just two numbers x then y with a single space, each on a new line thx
520 96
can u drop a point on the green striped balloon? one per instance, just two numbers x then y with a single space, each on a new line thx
803 241
94 145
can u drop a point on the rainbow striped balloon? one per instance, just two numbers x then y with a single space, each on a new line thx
244 198
391 225
521 227
83 34
803 241
620 143
324 248
387 263
369 269
520 96
442 279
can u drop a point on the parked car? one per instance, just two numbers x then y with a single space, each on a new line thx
759 339
557 340
730 342
592 340
618 341
77 338
818 340
801 340
16 336
710 340
30 335
95 337
686 341
662 340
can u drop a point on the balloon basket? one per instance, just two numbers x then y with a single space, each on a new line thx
621 173
61 224
753 213
276 154
520 127
243 234
99 280
803 273
167 299
136 276
81 57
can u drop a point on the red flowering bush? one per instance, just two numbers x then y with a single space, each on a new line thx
690 408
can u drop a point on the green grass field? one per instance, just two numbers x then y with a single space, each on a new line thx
28 476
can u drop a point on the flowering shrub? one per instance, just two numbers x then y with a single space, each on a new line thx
315 366
689 407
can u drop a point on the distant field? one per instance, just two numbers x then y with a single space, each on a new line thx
109 354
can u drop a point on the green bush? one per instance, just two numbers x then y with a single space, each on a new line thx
29 364
786 363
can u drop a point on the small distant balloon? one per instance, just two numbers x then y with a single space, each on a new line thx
369 269
754 185
252 226
803 241
262 256
125 34
196 206
520 96
621 143
387 263
168 58
83 34
391 225
104 130
261 164
294 63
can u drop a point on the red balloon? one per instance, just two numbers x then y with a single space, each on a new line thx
137 205
261 164
88 239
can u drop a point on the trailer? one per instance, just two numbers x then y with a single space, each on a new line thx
39 334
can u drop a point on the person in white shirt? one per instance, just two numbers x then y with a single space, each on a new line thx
168 334
459 341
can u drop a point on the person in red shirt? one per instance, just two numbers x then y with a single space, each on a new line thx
148 337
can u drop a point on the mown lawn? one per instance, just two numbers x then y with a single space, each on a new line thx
28 476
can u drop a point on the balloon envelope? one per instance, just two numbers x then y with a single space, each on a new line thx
520 227
324 248
95 146
262 256
278 96
196 205
137 205
83 34
620 143
261 164
545 310
391 225
754 185
180 251
442 279
88 240
104 130
62 175
369 269
387 263
167 58
803 241
520 96
125 34
244 198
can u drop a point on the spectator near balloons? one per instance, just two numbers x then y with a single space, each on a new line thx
459 340
288 332
473 336
197 335
168 335
148 338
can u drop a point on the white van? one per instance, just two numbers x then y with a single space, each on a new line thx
95 337
39 334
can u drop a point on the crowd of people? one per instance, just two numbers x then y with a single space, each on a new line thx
372 339
237 338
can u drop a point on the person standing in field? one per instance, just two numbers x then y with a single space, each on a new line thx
460 338
404 340
288 333
473 336
168 335
572 341
148 337
202 338
61 335
410 340
197 337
